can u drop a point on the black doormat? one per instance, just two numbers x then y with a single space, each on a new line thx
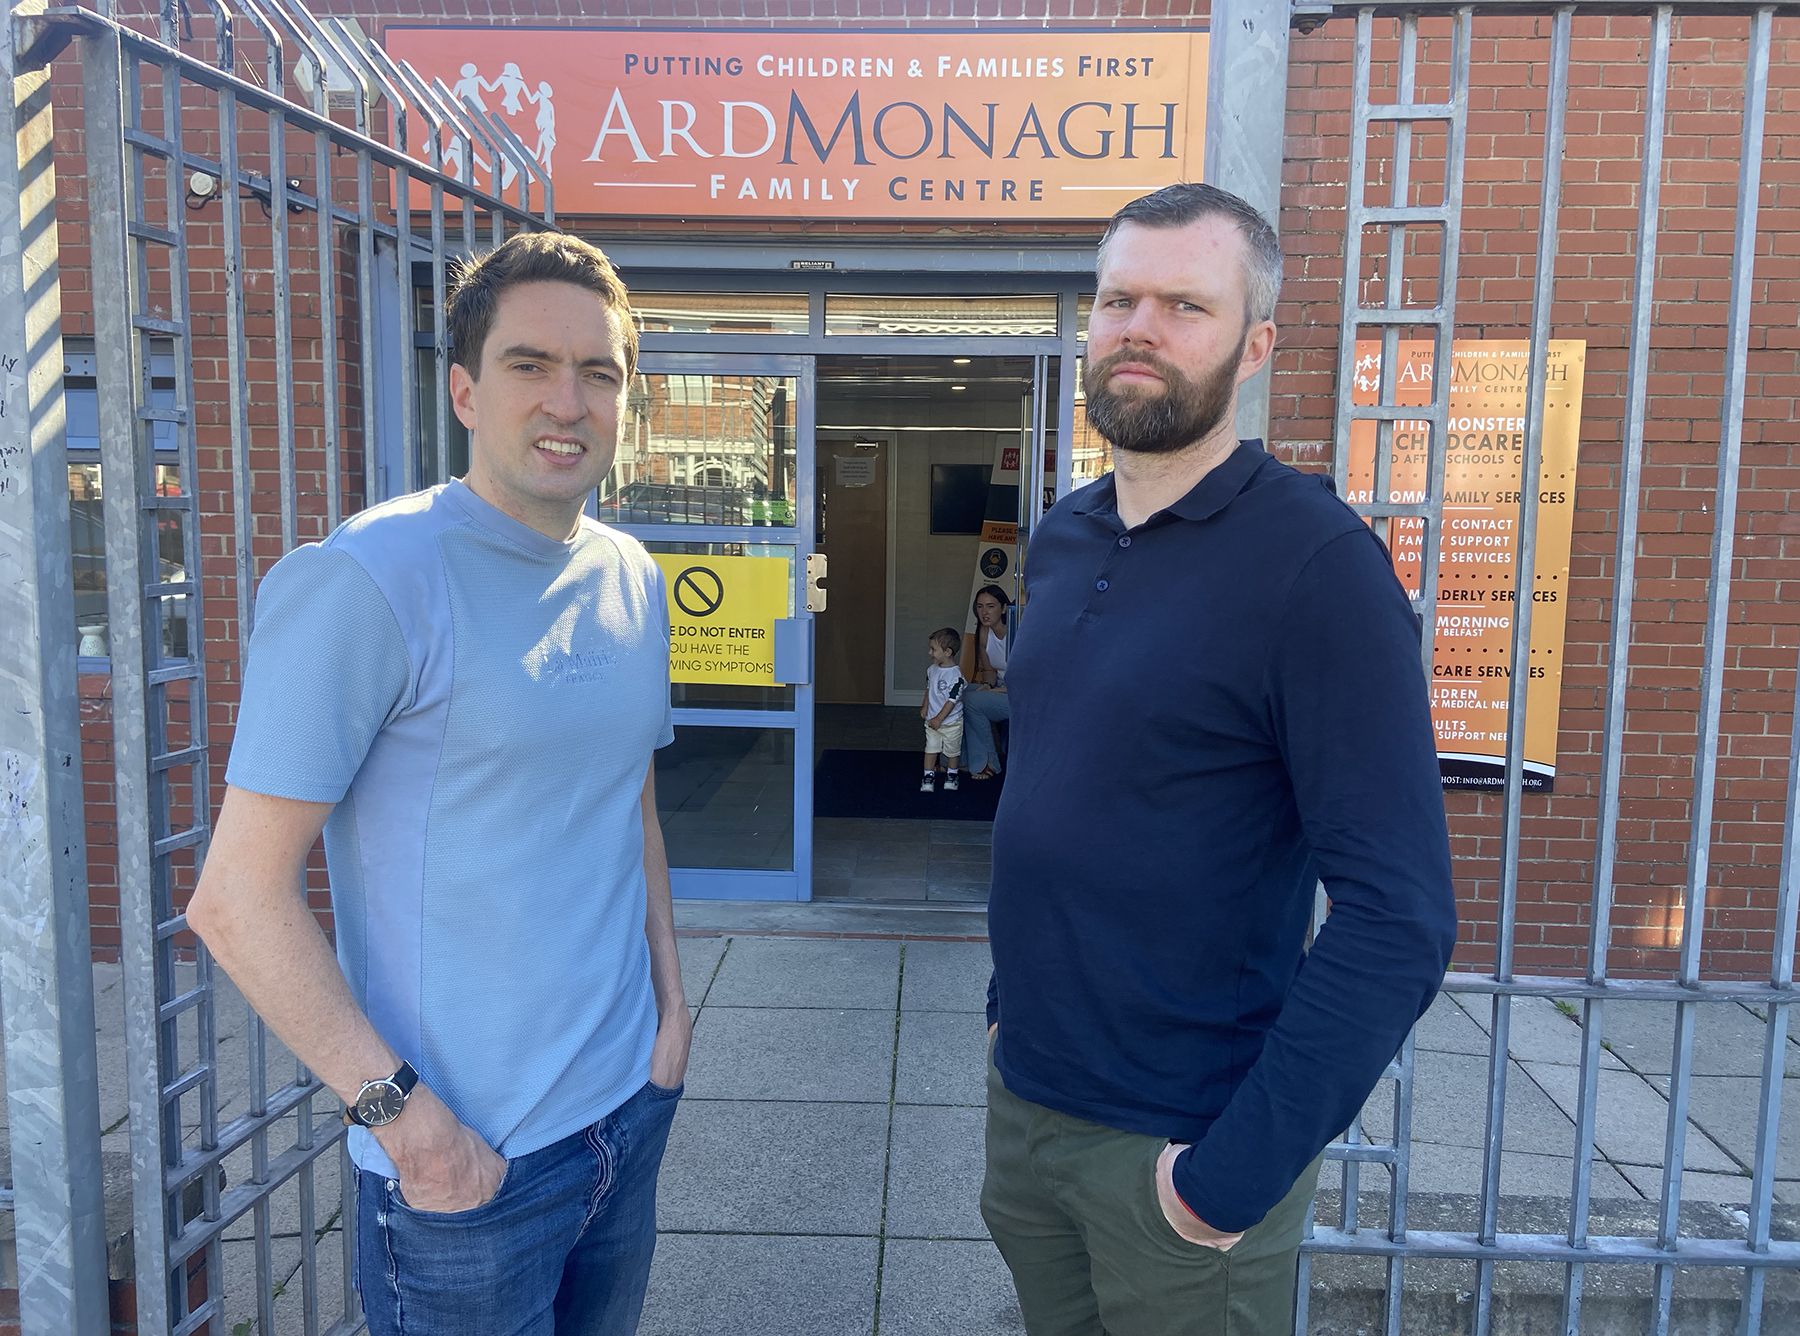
886 784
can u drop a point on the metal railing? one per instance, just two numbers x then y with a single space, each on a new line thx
1667 1245
294 332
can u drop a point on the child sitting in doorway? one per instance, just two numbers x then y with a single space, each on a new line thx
942 710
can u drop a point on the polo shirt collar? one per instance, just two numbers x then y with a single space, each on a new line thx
1209 496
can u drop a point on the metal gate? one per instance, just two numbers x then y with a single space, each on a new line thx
274 240
303 260
1412 78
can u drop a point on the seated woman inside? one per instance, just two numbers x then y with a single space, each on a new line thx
985 701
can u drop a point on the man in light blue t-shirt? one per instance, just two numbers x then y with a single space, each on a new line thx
463 689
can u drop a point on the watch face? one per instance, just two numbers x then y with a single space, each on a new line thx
380 1102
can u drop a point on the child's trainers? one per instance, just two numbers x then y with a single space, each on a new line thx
952 782
929 783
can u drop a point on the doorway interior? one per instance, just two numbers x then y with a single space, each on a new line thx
906 451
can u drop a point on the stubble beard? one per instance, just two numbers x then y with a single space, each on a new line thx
1186 411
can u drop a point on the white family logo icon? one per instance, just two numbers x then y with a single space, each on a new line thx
516 94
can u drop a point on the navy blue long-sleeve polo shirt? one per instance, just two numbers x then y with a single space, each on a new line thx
1211 712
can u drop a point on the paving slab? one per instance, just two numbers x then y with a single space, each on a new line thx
1447 1028
1726 1189
892 860
835 861
949 855
749 1285
943 1058
888 888
284 1201
1631 1119
1450 1106
109 1047
1728 1107
288 1285
1728 1038
1457 1169
956 890
867 830
1538 1031
935 1166
963 832
700 957
777 972
940 1288
742 1167
765 917
792 1054
946 976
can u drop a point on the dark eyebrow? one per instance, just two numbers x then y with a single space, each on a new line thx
523 351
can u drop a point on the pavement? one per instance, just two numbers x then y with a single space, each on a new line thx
823 1169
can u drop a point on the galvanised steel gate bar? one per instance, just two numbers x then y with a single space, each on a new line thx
1404 114
1625 577
200 1162
1486 1245
46 995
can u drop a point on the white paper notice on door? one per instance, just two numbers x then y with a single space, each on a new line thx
855 471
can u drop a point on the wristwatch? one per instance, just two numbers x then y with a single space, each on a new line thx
380 1101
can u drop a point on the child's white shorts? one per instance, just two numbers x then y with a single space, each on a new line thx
947 739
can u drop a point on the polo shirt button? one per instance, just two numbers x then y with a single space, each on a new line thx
1125 541
1101 585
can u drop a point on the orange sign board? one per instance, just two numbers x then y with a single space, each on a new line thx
888 125
1483 482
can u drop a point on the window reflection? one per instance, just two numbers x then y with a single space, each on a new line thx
705 449
726 798
87 521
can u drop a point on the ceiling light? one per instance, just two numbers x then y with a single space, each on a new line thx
959 361
959 387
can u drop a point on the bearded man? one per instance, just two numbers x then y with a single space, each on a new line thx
1217 703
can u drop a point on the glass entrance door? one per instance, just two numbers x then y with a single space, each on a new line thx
715 476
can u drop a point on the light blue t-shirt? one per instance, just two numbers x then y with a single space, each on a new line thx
481 702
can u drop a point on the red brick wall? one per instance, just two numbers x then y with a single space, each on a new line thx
1598 223
1501 205
207 285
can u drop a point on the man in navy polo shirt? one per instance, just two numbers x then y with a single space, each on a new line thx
1217 703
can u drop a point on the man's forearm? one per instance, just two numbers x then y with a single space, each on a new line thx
286 971
659 912
254 919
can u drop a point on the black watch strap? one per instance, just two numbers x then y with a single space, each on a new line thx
406 1078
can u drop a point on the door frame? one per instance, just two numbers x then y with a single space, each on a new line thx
704 883
1067 273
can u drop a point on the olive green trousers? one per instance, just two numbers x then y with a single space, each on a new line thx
1072 1206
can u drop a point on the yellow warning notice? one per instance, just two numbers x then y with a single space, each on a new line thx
722 615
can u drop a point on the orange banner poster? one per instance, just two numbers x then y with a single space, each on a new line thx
888 125
1483 477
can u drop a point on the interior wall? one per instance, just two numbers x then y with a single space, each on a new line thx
929 575
930 572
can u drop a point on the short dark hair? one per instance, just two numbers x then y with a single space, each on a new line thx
1189 202
948 639
531 257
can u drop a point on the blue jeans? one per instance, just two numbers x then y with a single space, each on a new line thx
564 1247
981 707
